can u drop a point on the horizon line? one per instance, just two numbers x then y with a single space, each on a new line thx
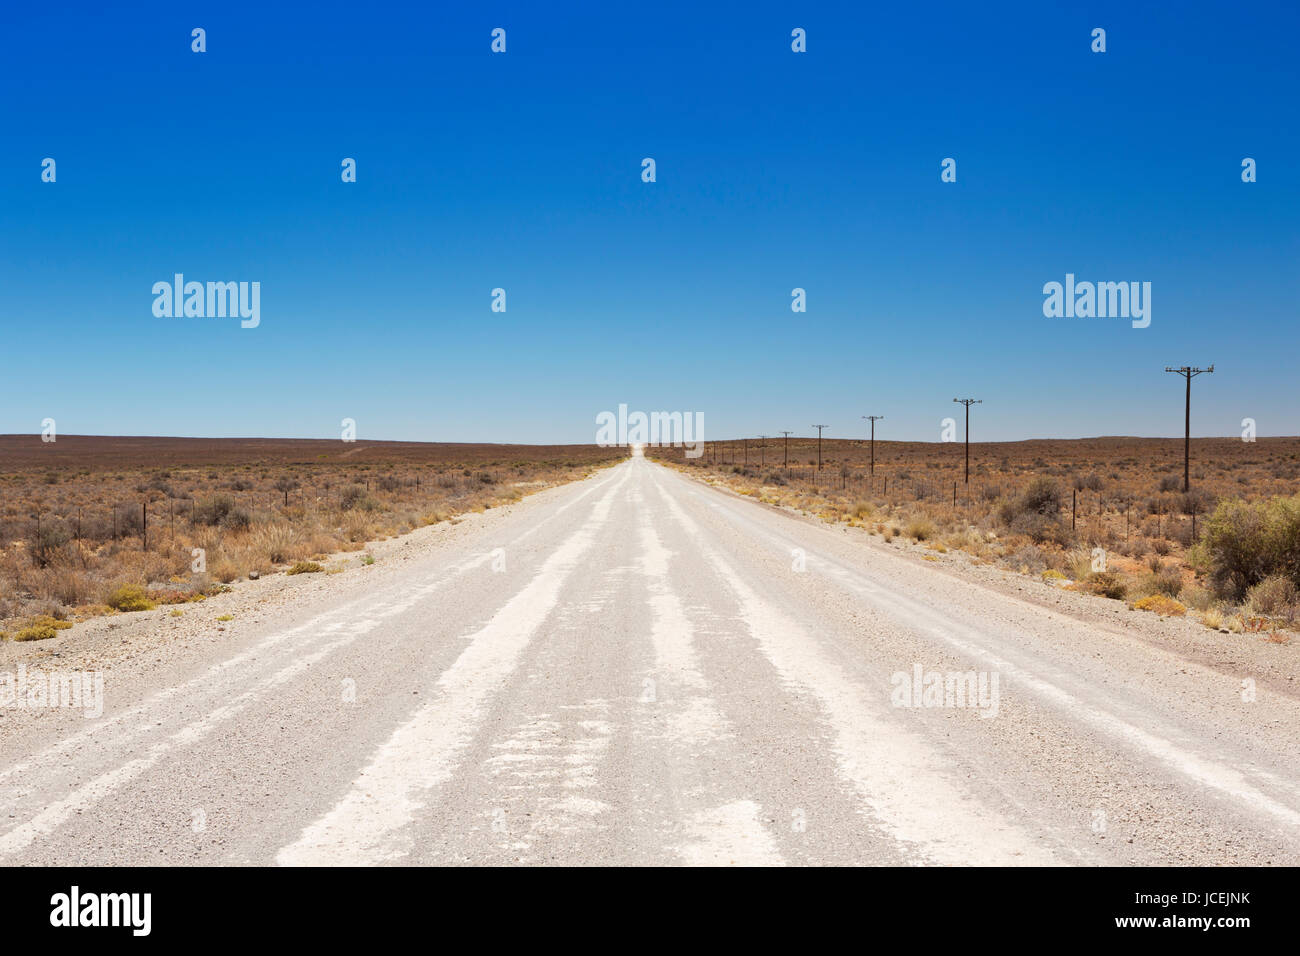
541 444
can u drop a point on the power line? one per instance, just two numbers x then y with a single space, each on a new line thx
787 448
968 402
819 444
874 419
1188 373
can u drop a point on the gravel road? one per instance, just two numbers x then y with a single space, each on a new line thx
640 669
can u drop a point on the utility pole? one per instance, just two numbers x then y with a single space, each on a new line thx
819 444
787 449
873 419
968 402
1188 373
762 451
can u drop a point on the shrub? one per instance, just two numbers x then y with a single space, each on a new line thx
1195 502
1246 542
305 567
212 513
1036 512
1161 604
36 632
129 597
1030 558
1197 597
224 570
237 519
276 541
45 620
919 529
1275 596
1043 496
172 596
286 484
1107 584
352 496
1168 583
48 542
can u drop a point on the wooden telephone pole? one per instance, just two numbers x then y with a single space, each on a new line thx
819 444
968 402
1188 373
873 419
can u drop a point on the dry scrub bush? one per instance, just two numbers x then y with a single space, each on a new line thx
1160 604
1274 597
1036 513
1246 542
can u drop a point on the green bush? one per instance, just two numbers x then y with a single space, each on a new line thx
305 567
129 597
1246 542
37 632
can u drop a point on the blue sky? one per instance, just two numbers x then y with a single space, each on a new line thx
521 170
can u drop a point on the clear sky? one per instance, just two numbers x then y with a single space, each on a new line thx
522 170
